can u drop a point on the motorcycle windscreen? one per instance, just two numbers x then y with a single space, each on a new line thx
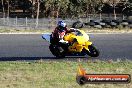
46 37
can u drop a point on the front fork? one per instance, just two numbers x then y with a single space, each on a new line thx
88 43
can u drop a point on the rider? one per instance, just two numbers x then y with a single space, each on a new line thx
60 31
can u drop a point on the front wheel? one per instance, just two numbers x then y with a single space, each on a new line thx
57 51
93 52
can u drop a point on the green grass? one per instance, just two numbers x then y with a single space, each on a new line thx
58 74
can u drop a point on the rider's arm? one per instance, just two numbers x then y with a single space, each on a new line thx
55 33
72 30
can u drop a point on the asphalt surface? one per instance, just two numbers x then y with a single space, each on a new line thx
33 47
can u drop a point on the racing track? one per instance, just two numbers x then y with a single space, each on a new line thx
33 47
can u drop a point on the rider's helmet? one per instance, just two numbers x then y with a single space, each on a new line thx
61 25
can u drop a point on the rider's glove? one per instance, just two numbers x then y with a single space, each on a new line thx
63 41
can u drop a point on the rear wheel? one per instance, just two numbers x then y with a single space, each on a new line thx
93 52
57 51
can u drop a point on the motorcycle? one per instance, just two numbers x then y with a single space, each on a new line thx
78 44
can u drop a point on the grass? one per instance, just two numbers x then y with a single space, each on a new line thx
13 30
88 30
58 74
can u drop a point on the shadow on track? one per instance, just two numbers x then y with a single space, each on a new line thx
73 58
23 58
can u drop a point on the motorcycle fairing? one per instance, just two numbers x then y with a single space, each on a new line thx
76 47
82 41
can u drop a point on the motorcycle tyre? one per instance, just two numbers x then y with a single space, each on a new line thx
93 52
56 51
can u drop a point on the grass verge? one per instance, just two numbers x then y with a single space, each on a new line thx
58 74
88 30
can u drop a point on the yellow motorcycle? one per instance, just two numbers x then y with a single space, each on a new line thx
77 44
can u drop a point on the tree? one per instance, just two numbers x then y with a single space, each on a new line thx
113 3
55 8
8 8
63 9
38 4
76 7
91 5
127 10
3 8
130 1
